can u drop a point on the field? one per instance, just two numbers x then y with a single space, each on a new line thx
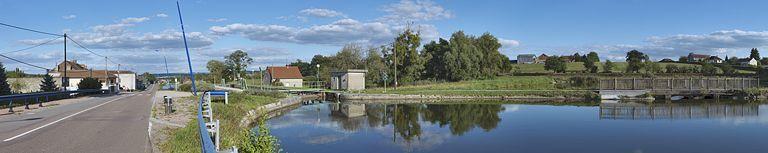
539 86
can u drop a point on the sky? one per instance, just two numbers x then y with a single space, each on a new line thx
279 32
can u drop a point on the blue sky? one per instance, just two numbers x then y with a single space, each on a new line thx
276 32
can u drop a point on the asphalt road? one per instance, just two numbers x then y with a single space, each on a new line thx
114 123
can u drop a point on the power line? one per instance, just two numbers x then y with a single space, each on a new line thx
38 45
83 47
32 65
27 29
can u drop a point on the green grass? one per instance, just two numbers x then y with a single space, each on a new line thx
579 67
531 86
186 139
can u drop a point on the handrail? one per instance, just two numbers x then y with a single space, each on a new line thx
205 138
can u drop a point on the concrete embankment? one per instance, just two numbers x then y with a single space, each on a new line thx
286 102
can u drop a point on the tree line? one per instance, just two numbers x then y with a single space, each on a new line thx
461 57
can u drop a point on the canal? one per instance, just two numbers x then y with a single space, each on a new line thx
498 127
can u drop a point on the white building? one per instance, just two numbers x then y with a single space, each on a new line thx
748 62
287 76
77 72
351 79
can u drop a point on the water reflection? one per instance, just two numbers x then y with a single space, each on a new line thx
407 118
533 127
652 111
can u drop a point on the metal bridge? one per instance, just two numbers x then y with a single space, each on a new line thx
680 86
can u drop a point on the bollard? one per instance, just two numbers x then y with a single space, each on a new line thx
168 103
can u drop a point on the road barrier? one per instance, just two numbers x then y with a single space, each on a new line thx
44 96
209 128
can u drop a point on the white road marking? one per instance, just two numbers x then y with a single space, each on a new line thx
54 122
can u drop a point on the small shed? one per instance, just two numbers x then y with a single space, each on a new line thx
351 79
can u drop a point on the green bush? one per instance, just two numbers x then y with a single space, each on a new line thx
89 83
267 93
201 86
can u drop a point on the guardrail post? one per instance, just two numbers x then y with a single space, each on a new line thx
226 97
10 105
26 103
40 104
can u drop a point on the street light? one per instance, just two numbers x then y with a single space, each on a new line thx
317 75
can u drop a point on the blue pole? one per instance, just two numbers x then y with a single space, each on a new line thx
189 61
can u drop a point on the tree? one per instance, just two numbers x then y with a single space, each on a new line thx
434 54
708 69
672 68
635 61
408 62
683 59
754 54
577 57
89 83
728 69
608 66
462 59
555 64
17 73
653 67
48 84
218 70
304 67
18 85
5 88
149 77
376 66
589 62
237 62
491 61
593 57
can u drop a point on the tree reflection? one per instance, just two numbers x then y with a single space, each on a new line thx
406 119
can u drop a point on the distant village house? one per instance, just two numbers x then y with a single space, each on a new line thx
287 76
526 59
75 72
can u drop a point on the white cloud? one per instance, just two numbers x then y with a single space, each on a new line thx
67 17
325 13
508 43
419 10
339 32
134 20
161 15
217 20
118 36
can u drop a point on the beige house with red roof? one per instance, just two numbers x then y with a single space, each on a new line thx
287 76
76 72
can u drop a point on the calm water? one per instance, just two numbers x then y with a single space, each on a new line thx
445 128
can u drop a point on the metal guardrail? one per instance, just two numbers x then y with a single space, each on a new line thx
47 95
205 138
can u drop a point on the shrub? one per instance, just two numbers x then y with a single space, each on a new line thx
89 83
201 86
267 93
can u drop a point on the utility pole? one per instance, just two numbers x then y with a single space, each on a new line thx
64 79
394 52
106 72
118 77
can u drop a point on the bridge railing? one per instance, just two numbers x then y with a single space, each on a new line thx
692 83
43 97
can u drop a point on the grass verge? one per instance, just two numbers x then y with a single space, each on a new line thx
186 139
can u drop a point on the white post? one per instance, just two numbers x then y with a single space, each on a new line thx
217 135
226 97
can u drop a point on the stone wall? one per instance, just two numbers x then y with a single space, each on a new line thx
29 84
